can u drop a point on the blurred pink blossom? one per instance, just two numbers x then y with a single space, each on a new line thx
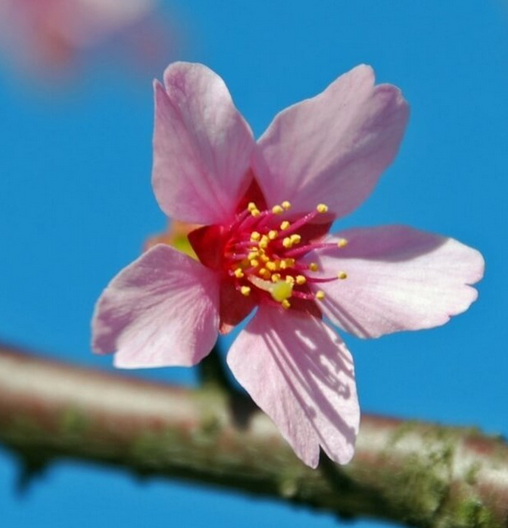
48 36
266 209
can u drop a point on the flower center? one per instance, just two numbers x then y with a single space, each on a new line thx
264 251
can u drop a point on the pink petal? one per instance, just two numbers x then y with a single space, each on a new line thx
301 374
162 310
332 148
398 278
202 146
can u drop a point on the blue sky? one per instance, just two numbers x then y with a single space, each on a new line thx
76 205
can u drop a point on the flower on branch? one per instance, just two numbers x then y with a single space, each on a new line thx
265 209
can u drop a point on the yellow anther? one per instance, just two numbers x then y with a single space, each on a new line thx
322 208
245 290
264 258
296 239
285 225
277 209
287 263
320 295
255 235
300 279
276 277
254 263
271 265
272 235
342 275
251 206
286 205
290 279
287 243
263 243
255 212
253 255
313 266
342 242
285 304
263 272
238 273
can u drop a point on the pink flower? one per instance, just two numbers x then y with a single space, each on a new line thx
44 34
266 208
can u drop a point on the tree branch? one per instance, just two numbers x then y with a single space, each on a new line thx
414 473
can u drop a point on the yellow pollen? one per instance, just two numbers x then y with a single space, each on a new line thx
285 304
342 275
290 279
255 212
287 243
287 263
238 273
342 242
322 208
277 209
264 273
255 235
251 206
254 263
300 279
296 239
286 205
271 265
253 255
245 290
264 258
313 266
284 225
276 277
263 244
320 295
272 235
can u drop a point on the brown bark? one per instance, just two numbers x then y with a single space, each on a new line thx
413 473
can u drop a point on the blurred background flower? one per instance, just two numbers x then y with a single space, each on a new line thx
49 38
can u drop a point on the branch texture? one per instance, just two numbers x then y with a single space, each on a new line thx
413 473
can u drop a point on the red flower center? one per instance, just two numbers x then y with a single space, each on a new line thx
259 255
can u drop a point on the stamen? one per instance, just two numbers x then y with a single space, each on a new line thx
268 257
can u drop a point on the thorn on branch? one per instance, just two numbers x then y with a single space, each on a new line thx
30 468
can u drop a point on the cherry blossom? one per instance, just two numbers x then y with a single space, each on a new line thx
265 209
